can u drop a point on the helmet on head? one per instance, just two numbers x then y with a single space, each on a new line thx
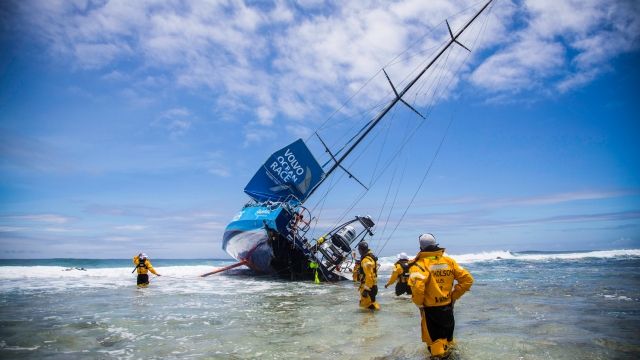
142 256
402 256
428 242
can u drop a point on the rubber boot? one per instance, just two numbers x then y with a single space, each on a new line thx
439 347
374 306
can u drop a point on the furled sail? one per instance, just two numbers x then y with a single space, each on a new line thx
289 174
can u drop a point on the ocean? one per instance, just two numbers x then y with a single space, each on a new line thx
528 305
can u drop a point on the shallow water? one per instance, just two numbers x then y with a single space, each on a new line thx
533 306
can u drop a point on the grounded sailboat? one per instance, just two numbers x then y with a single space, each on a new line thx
269 233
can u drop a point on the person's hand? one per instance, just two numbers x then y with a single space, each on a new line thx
158 275
386 286
365 293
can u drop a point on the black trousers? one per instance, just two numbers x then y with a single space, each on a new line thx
143 279
373 292
439 322
402 288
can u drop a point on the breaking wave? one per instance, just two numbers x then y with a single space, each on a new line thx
192 271
386 263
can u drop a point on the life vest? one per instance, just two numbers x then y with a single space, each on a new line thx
375 267
404 277
141 264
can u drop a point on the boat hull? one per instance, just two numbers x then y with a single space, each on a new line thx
261 237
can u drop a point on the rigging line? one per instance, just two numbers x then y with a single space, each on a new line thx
357 122
348 209
411 142
441 141
390 123
430 31
441 94
420 124
352 116
419 66
361 153
346 102
392 60
313 231
357 200
430 107
416 54
393 204
413 133
389 189
439 76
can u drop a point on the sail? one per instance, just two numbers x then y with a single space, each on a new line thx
289 172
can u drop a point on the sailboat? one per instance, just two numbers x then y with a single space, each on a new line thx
269 233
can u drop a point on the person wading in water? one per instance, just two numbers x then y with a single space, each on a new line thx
368 275
143 266
431 278
400 273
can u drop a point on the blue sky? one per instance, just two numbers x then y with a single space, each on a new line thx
134 126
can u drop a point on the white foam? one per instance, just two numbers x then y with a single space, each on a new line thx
58 272
386 263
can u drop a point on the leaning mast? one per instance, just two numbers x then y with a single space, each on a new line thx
381 114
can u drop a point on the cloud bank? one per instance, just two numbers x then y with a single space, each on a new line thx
288 60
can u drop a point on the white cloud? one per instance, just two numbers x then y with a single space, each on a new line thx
131 227
622 242
46 218
175 120
277 59
299 131
220 172
10 228
565 43
117 238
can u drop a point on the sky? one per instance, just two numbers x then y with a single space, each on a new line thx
134 126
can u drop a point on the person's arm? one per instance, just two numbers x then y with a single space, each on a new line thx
464 280
397 270
367 268
418 280
150 267
135 260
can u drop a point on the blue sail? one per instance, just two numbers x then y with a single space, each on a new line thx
289 174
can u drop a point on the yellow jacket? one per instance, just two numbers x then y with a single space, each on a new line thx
142 269
397 273
356 271
432 276
370 271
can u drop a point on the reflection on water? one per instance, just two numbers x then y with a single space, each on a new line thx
584 309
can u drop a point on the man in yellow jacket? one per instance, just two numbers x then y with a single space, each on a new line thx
368 275
431 278
400 273
143 266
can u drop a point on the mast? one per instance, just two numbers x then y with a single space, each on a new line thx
381 114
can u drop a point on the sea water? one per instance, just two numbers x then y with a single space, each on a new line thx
521 306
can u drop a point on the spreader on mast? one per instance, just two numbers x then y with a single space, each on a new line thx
398 97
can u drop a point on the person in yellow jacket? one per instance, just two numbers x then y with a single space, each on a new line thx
368 274
401 273
431 278
356 267
143 266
